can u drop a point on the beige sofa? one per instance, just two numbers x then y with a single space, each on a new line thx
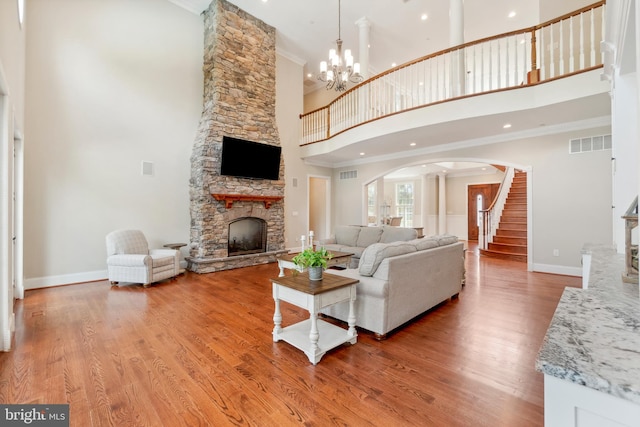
355 239
401 280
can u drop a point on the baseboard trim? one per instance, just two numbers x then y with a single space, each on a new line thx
65 279
557 269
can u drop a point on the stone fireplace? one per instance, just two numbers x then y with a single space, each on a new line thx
235 222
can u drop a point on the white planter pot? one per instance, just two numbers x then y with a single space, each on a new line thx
315 273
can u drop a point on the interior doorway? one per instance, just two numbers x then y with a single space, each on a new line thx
479 197
319 206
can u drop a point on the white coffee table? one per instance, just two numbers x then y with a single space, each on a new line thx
337 259
314 336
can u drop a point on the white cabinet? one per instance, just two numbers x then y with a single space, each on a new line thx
569 404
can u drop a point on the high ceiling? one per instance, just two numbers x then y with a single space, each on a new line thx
306 29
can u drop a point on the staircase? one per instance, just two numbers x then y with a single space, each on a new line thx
510 241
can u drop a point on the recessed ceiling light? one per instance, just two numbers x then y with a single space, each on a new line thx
484 169
362 154
512 14
309 75
421 83
424 17
506 126
393 64
444 171
424 166
413 144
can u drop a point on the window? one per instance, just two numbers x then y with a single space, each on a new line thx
404 203
479 209
371 203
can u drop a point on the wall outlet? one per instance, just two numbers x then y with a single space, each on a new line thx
556 252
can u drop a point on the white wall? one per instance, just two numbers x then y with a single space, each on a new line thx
109 84
12 52
289 105
12 55
571 196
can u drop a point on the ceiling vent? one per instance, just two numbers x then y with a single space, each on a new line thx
349 174
590 143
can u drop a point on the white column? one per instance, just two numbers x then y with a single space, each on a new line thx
379 200
364 27
456 37
637 28
442 204
425 204
456 22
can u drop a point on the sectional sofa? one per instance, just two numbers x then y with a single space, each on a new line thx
356 238
401 280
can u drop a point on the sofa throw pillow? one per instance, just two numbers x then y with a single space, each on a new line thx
395 234
425 243
374 254
368 236
446 239
347 235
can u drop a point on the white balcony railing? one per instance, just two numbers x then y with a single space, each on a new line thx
559 48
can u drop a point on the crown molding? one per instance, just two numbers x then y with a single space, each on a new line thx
194 6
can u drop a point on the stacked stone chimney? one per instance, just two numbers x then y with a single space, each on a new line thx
239 101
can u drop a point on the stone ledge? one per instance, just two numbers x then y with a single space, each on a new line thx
210 265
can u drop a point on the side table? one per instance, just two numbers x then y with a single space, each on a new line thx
177 247
314 336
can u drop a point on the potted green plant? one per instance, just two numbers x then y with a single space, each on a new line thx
313 260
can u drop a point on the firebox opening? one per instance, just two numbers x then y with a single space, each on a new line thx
247 236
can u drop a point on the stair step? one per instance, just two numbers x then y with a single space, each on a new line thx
501 255
507 225
511 240
507 218
508 249
511 233
516 208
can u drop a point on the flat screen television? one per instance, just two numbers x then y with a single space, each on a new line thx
248 159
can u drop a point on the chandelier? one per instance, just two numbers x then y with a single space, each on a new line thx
340 69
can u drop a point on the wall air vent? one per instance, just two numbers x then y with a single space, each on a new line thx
590 143
349 174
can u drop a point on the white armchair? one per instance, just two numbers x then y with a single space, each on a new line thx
130 260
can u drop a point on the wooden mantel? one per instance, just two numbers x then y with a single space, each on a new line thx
228 199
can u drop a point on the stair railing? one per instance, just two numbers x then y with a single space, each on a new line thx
558 48
491 216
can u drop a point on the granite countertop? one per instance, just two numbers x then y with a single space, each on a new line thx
594 336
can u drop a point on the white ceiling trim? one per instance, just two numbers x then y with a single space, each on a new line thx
290 56
194 6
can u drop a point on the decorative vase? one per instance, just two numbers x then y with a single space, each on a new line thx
315 273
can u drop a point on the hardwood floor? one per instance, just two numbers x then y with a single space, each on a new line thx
198 351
